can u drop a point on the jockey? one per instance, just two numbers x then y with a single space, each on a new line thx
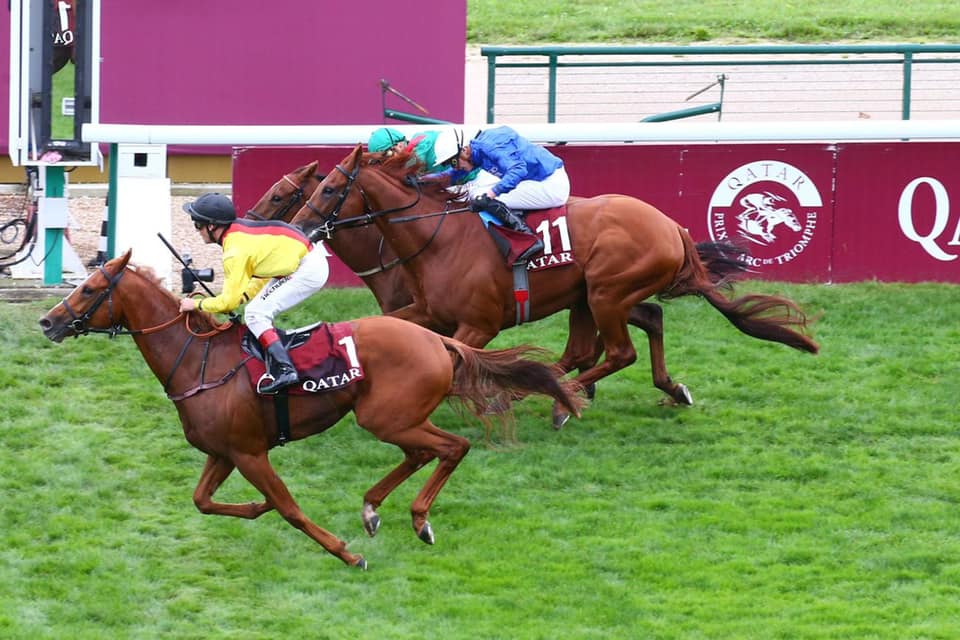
530 177
255 254
386 139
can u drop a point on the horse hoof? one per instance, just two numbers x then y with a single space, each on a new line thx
371 525
559 420
426 533
361 563
371 521
684 393
591 390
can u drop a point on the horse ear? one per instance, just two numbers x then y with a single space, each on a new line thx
124 259
312 167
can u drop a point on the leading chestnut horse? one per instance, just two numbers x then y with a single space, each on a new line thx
408 370
625 252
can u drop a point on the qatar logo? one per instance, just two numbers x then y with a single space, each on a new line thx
770 206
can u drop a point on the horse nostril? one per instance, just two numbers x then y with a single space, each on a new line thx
44 323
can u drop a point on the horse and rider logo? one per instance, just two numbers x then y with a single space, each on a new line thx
761 215
771 205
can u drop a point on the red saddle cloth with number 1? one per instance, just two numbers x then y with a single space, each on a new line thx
551 226
325 355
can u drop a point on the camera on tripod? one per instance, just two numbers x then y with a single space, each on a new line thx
190 277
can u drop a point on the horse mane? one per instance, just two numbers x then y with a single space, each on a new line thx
404 166
150 276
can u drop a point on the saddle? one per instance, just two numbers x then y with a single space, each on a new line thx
557 250
511 244
323 353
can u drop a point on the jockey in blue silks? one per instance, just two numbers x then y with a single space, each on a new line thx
529 176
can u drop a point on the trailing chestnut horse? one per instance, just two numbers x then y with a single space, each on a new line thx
408 370
625 251
363 250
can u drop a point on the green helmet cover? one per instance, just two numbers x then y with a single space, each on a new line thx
384 138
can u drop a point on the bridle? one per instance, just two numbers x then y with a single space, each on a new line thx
330 222
294 200
78 322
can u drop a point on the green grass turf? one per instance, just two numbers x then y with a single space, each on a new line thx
800 497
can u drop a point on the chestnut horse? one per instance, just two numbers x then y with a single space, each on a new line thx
625 251
364 246
408 370
363 250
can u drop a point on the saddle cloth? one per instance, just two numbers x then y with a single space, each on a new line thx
324 354
557 248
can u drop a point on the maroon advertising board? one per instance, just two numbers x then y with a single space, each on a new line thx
898 212
808 212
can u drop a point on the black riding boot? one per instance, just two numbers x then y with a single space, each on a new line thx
515 221
280 368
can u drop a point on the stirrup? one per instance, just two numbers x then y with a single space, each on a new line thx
260 382
276 384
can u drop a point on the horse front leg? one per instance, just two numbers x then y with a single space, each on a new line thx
649 317
413 461
259 472
581 352
215 471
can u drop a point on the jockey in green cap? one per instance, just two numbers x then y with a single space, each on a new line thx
386 138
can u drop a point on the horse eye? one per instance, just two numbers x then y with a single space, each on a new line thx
328 191
276 199
86 290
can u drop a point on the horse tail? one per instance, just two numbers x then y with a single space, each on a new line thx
709 267
722 261
485 379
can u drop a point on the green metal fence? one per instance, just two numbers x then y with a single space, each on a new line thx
555 58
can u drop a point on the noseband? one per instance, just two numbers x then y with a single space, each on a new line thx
78 322
294 199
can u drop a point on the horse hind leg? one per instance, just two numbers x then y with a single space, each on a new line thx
434 443
649 317
259 472
215 471
413 461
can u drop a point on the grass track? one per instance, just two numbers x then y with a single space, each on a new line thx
807 497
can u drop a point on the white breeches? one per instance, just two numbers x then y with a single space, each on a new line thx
533 194
281 294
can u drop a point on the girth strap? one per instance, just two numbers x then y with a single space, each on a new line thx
521 292
282 411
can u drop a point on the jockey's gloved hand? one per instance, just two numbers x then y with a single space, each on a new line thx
480 203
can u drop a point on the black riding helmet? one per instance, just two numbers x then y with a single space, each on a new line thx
211 208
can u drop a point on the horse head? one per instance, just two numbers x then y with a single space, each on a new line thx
90 306
359 190
286 196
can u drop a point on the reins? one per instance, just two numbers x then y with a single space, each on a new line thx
331 223
79 325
